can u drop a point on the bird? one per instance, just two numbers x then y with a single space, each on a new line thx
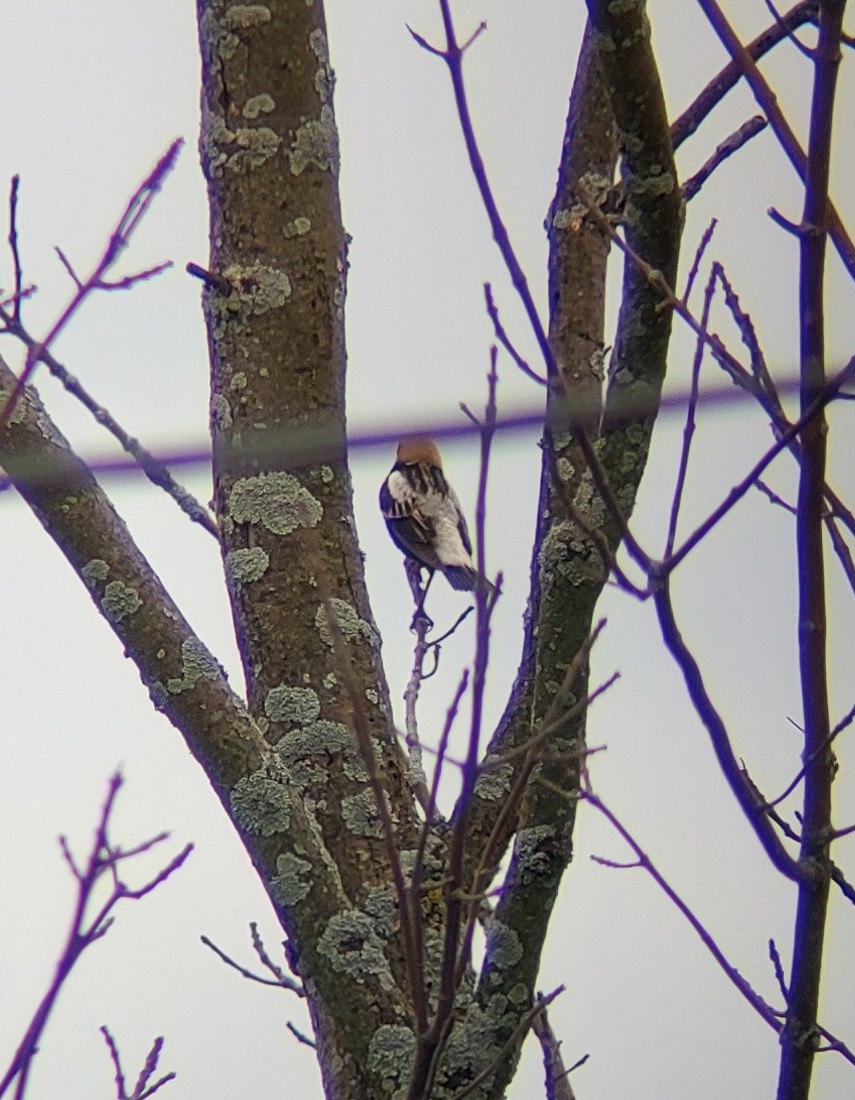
424 517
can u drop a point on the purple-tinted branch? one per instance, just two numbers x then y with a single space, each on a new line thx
425 1049
118 241
773 497
643 861
156 471
280 979
738 492
779 969
812 909
746 796
790 33
142 1089
783 131
18 275
505 340
452 55
557 1076
700 252
300 1036
725 149
689 429
85 930
841 549
731 74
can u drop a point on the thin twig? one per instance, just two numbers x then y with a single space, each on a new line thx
557 1081
643 861
700 252
790 33
281 980
505 340
731 144
18 275
730 75
156 471
768 102
689 429
117 242
86 928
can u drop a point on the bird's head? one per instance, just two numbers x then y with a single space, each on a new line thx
419 451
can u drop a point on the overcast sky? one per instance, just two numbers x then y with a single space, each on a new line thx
92 95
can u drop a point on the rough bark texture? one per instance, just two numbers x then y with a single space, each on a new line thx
276 329
308 768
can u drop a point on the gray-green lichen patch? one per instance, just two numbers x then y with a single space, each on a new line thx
292 882
390 1058
238 150
257 105
349 623
120 601
94 570
329 681
476 1043
504 948
562 554
277 501
381 904
315 143
238 381
221 413
318 45
320 739
259 287
494 781
360 814
352 946
323 79
296 228
241 17
19 409
253 147
530 854
196 664
261 805
293 706
246 565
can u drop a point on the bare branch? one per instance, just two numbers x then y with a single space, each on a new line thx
783 131
117 243
84 931
643 861
281 980
689 429
721 84
731 144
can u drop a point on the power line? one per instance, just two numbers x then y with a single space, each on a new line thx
305 445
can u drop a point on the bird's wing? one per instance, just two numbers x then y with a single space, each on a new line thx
461 520
412 531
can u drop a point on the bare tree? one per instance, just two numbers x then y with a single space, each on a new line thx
379 895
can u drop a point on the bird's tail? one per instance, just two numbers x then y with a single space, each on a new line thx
463 578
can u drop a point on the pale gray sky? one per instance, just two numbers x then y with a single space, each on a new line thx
92 95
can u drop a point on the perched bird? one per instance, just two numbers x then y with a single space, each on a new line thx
424 516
